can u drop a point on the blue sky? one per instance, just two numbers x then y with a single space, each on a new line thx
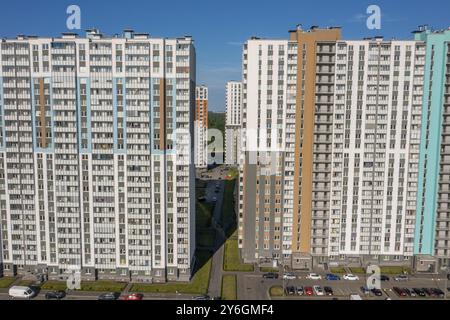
220 28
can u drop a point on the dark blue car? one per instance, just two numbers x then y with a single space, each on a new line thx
332 277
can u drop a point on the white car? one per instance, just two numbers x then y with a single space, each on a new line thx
351 277
318 291
314 276
289 276
21 292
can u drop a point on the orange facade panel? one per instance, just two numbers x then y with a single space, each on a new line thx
306 42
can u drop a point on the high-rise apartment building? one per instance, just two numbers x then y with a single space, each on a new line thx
279 104
96 162
331 139
432 234
201 127
374 149
268 128
233 122
313 131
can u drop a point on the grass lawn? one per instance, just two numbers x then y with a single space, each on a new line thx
231 259
233 173
54 285
229 287
228 215
395 270
6 282
26 283
276 291
268 269
96 286
205 238
357 270
103 286
339 270
198 285
203 215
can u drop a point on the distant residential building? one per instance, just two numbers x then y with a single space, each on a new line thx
201 127
233 122
96 173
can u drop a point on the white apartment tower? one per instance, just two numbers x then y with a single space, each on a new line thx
331 143
96 163
375 150
233 122
268 146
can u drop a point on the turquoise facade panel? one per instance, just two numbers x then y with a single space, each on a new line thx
431 136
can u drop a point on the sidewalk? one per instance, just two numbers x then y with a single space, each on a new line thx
215 281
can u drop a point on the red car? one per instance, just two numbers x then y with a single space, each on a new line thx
400 292
133 296
309 291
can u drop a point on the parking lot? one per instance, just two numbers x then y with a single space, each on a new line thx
342 289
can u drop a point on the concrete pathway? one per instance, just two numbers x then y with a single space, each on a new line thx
215 282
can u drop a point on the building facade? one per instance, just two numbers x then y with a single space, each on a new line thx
376 119
201 127
96 162
333 137
432 234
313 130
279 104
233 122
268 150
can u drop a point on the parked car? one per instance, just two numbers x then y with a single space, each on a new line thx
133 296
202 298
214 199
412 293
332 277
365 290
318 291
309 291
270 275
328 291
401 277
384 278
419 292
109 296
300 291
314 276
399 292
201 198
289 276
407 291
58 295
290 291
21 292
427 292
438 293
377 292
351 277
